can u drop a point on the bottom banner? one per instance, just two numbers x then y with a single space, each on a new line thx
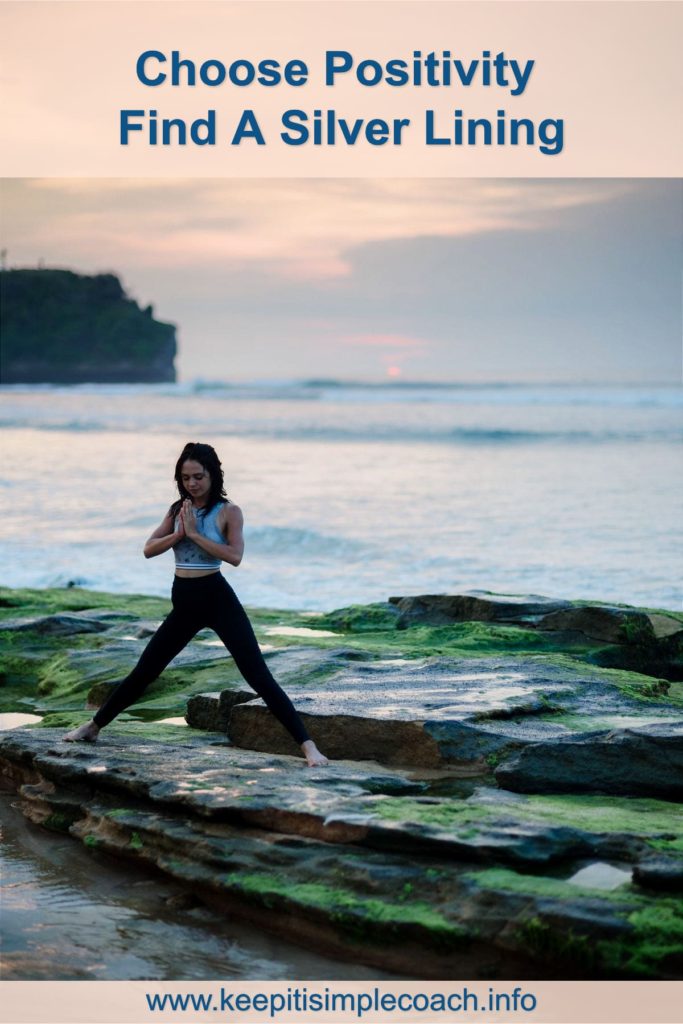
543 1002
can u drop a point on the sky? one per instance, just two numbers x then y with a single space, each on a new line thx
372 279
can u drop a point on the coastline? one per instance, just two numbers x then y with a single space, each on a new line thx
499 804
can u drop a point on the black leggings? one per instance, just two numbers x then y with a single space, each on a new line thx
199 602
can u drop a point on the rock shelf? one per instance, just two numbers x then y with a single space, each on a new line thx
498 805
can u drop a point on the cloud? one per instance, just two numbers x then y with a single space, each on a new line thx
291 229
448 279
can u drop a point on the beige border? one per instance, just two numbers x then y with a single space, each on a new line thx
607 70
62 90
107 1002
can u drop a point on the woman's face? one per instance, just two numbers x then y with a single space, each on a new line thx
196 480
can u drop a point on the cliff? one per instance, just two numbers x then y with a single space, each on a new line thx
58 327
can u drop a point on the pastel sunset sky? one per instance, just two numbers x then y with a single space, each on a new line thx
431 279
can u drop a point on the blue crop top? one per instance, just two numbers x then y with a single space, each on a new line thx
189 555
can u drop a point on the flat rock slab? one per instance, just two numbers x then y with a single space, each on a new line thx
212 710
445 711
98 669
345 802
312 855
302 663
421 917
634 762
201 773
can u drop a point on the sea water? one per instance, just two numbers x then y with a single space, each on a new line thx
71 913
355 492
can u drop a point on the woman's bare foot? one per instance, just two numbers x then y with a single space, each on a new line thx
313 755
87 733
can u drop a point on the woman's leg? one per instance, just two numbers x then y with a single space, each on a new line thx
229 620
174 633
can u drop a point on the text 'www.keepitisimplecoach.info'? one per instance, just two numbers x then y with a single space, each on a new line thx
358 1005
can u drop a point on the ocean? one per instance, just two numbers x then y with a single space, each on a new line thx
355 492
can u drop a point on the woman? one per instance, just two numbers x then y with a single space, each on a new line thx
204 529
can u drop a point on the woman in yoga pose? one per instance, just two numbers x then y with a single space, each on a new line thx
204 529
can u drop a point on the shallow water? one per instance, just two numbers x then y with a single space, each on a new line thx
16 719
71 913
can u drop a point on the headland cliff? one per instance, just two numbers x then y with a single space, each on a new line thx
59 327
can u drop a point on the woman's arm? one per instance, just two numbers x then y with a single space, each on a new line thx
231 525
164 537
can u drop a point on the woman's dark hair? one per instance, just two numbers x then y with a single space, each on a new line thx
206 456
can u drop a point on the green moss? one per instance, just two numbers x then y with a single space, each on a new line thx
653 940
662 918
494 759
26 658
91 840
672 846
645 689
56 676
62 684
14 698
475 639
565 946
545 887
376 623
20 660
39 667
359 915
446 814
162 732
61 720
135 842
360 618
26 602
639 816
658 938
639 633
654 946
